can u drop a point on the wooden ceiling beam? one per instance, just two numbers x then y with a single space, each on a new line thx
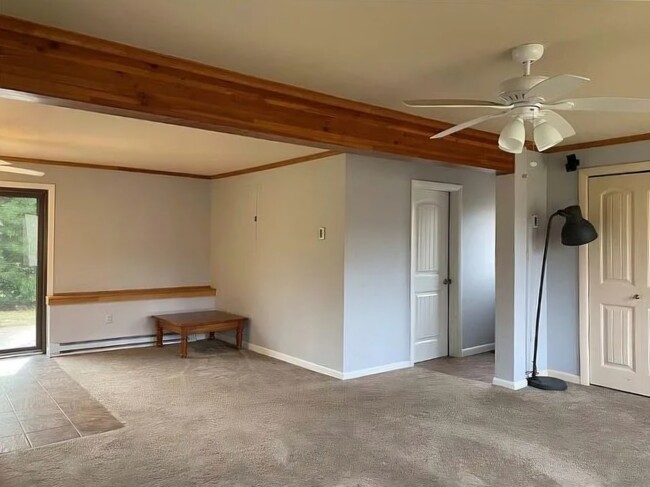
73 70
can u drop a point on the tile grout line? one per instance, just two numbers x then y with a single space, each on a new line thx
13 409
57 405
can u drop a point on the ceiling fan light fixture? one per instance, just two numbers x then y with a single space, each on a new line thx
546 136
513 136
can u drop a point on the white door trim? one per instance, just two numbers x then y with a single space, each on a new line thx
455 264
49 278
583 256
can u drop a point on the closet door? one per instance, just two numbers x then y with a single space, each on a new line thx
619 298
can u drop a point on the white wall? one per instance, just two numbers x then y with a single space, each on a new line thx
377 257
276 271
124 230
563 319
536 206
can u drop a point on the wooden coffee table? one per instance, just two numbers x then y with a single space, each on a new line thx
198 322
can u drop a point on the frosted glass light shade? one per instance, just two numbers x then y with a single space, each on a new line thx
513 136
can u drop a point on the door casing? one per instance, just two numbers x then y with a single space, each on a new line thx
583 254
455 264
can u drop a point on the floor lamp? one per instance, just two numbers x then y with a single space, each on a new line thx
576 231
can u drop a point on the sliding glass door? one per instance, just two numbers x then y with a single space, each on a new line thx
23 215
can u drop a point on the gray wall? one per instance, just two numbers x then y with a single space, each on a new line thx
563 325
277 272
377 257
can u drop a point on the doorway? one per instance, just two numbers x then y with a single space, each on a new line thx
435 270
23 239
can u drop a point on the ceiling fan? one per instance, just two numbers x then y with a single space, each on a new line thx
534 100
8 167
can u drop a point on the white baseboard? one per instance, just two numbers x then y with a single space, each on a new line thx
290 359
513 386
294 360
558 374
466 352
355 374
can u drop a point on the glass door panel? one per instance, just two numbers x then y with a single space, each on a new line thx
21 270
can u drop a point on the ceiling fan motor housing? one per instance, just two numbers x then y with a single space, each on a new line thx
514 90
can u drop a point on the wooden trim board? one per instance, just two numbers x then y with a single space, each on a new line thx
54 66
85 165
130 295
274 165
600 143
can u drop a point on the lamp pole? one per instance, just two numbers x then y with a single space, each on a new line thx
541 290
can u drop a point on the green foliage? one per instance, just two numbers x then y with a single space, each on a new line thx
17 277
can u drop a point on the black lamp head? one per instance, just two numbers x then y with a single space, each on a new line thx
576 230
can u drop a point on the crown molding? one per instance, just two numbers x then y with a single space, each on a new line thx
600 143
106 167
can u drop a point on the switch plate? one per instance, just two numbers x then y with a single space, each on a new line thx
322 233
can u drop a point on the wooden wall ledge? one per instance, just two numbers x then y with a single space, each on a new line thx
130 295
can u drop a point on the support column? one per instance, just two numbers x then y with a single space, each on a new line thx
511 277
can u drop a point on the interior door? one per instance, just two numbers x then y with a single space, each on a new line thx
429 273
22 269
619 298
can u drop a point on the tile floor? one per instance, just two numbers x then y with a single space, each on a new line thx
476 367
41 404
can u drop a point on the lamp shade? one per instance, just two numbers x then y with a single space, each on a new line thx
546 136
576 230
513 136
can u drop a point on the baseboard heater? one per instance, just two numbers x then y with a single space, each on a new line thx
118 342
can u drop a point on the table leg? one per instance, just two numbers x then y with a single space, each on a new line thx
159 335
211 335
240 329
183 351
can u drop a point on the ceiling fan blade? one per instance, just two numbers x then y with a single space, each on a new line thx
470 123
602 104
559 122
20 170
454 103
556 87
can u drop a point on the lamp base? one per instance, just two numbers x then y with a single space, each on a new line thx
547 383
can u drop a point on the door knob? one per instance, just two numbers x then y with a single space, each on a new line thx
636 296
446 281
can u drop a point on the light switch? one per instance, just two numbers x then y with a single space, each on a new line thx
535 221
321 233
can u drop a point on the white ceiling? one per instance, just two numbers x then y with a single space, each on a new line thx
383 51
50 132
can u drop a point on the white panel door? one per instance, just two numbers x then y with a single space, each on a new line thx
429 272
619 298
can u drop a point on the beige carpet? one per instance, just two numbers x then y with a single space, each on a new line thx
233 418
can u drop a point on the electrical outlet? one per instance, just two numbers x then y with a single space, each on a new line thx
108 319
